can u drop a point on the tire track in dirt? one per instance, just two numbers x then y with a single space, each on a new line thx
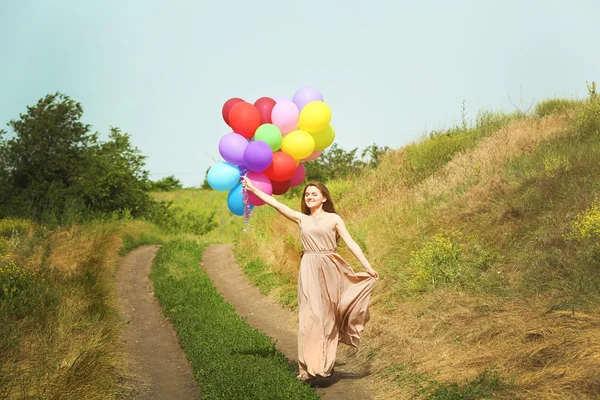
158 368
276 322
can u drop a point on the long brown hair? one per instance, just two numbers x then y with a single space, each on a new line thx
327 206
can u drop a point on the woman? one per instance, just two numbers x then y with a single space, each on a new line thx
332 300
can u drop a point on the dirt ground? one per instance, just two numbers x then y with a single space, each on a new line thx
157 365
274 321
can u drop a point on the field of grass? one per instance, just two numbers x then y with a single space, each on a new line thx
487 240
230 359
201 202
486 236
59 336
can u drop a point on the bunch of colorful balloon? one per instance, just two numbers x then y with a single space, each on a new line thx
271 140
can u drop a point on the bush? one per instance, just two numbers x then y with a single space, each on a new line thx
588 114
586 225
10 227
554 106
556 164
428 156
21 288
438 262
177 220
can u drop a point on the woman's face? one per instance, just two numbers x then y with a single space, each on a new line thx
313 197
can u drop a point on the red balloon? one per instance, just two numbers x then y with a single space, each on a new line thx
265 105
244 119
227 108
280 187
282 168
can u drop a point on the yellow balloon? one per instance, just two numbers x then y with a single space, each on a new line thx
324 138
314 117
298 144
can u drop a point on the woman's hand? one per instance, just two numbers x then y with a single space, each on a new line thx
247 183
373 273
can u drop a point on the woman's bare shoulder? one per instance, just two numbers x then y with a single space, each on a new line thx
336 217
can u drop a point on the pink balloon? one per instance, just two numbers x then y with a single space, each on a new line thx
262 182
298 176
314 155
285 116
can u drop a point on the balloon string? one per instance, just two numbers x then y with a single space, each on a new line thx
247 209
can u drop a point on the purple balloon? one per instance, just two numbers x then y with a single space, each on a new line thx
281 98
258 156
306 95
232 147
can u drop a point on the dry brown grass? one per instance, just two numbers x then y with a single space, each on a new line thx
75 351
452 336
482 167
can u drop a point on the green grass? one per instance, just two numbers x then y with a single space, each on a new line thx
230 359
130 242
59 331
197 202
487 384
427 156
484 386
554 106
267 280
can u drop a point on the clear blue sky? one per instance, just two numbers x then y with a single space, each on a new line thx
390 70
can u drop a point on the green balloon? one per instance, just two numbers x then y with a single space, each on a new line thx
270 134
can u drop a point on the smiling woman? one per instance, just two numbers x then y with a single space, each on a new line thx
333 300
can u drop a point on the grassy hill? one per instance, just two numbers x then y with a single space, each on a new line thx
487 240
486 236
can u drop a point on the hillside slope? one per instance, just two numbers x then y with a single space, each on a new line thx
488 242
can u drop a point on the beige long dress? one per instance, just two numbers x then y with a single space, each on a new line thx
333 300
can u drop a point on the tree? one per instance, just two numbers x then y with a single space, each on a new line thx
44 158
373 155
337 163
205 184
54 165
114 178
166 184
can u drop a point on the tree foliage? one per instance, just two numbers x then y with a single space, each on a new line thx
54 169
337 163
166 184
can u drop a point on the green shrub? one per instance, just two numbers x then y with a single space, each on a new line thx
586 225
438 262
10 227
177 220
554 106
428 156
555 164
21 288
588 114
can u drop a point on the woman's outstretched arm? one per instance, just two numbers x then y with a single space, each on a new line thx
353 246
272 201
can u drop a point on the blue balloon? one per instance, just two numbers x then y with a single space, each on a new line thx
223 176
235 200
